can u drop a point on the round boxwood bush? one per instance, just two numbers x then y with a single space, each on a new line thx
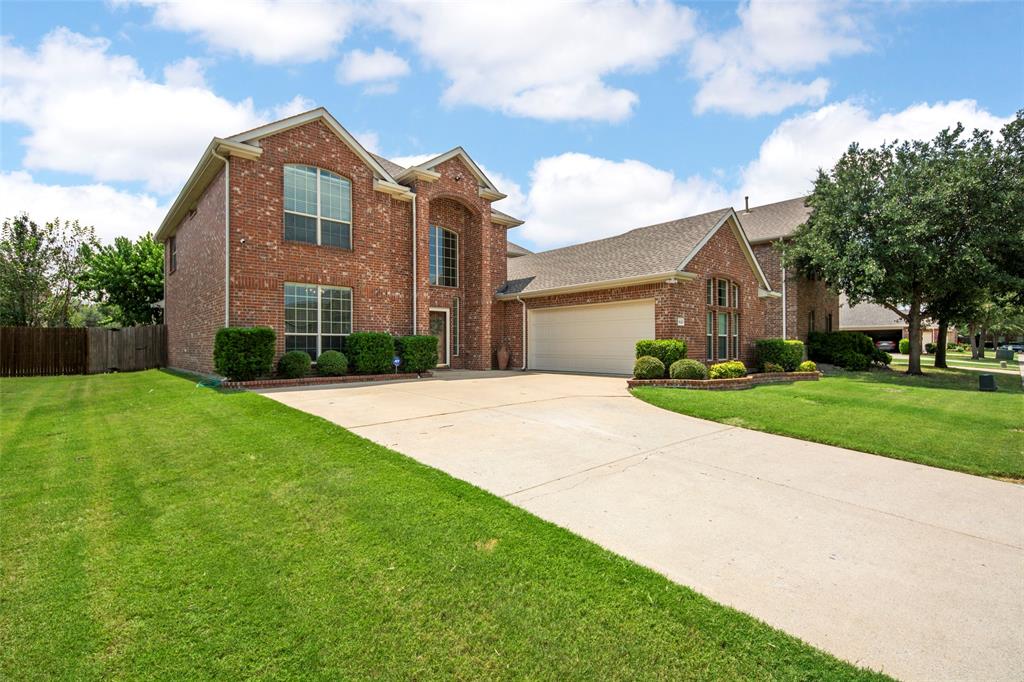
666 350
807 366
905 346
734 369
294 364
771 368
688 369
648 367
332 363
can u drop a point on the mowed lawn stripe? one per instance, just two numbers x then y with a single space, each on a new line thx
156 529
940 419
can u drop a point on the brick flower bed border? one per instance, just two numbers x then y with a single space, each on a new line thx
741 383
313 381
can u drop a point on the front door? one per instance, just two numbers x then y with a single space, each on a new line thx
439 328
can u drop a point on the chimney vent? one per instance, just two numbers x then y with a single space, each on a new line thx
746 202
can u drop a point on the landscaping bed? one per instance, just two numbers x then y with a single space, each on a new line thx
734 384
281 382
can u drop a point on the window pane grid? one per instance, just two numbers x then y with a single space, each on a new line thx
316 318
444 257
318 207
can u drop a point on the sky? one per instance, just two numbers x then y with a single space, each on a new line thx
594 118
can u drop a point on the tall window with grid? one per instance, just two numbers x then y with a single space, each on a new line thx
317 207
444 257
722 323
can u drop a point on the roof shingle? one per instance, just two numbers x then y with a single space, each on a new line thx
644 251
774 221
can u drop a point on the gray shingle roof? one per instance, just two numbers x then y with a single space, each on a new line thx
644 251
389 166
866 316
774 221
513 250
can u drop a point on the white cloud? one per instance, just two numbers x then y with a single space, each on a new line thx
95 113
112 212
380 65
411 160
742 71
369 139
267 31
788 159
576 197
296 105
543 60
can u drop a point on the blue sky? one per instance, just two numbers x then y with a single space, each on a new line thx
594 118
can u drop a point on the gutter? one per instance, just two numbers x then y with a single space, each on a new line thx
227 236
784 302
415 284
674 275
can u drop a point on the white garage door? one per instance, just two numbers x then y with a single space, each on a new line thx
589 338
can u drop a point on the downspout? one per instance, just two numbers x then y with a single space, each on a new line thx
414 282
523 344
783 302
227 236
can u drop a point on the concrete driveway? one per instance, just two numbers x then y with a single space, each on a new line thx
912 570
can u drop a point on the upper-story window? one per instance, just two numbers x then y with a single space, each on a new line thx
317 207
723 319
172 257
444 257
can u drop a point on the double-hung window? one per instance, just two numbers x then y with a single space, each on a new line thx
722 323
316 318
444 257
317 207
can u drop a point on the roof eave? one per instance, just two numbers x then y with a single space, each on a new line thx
506 221
672 276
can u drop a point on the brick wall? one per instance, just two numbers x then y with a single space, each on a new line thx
721 256
802 296
194 292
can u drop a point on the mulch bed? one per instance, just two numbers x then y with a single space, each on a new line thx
741 383
271 382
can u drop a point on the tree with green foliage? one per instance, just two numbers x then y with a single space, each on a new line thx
915 226
129 277
39 269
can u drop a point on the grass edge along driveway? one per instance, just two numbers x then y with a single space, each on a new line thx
940 419
156 529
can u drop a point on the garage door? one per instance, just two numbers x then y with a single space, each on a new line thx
589 338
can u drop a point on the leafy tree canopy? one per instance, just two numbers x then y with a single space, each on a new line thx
128 277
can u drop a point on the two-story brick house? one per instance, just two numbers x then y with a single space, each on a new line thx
294 225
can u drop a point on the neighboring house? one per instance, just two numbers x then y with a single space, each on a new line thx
808 304
882 324
294 225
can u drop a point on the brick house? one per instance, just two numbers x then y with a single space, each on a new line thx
294 225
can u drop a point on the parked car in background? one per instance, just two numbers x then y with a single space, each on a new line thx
887 346
1015 347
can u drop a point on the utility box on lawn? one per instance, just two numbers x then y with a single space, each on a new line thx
986 382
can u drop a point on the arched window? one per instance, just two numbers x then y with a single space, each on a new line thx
722 324
317 207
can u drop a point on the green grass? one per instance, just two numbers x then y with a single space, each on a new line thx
152 529
963 361
939 419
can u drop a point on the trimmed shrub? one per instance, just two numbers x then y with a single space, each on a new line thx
332 363
243 353
807 366
294 364
688 369
786 353
370 352
418 353
734 369
882 358
666 350
930 348
839 348
771 367
855 362
905 346
648 367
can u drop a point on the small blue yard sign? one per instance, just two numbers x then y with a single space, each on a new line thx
396 361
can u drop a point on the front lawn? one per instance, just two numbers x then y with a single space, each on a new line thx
155 529
940 419
963 361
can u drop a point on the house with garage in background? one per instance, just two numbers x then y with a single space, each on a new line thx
294 225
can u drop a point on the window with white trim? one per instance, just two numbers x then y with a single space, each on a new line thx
316 318
444 257
317 207
722 323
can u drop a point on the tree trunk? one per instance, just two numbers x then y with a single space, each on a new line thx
972 334
914 364
940 344
982 333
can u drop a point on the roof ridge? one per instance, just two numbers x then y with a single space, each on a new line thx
776 203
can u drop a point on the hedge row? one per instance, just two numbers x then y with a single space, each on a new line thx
785 353
850 350
246 353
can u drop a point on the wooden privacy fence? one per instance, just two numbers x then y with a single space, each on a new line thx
37 351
